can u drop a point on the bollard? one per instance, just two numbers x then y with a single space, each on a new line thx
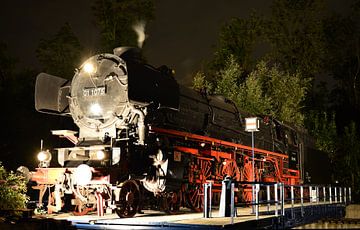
324 194
225 199
206 211
207 201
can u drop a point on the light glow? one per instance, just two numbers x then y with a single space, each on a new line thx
100 155
82 174
89 68
95 109
44 156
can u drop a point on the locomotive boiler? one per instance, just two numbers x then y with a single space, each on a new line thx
142 135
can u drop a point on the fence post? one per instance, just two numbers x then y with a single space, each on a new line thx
324 194
345 195
336 198
282 195
257 188
302 200
210 199
317 195
206 210
340 195
232 203
268 197
292 201
276 199
330 194
349 194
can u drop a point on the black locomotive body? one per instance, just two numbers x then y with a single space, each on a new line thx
141 133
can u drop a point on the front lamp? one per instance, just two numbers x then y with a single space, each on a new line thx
89 68
82 175
44 158
100 155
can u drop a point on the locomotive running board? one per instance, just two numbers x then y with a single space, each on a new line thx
214 141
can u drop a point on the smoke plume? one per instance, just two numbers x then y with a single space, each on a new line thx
139 28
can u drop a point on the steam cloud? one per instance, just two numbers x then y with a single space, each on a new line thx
139 28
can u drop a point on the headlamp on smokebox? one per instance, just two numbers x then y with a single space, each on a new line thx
44 158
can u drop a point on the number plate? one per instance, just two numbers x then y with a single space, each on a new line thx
94 91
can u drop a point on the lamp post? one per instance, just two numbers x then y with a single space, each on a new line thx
252 125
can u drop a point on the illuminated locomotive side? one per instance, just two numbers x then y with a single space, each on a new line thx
140 133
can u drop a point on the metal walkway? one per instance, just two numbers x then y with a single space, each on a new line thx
293 216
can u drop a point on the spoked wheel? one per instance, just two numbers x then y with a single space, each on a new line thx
247 175
129 199
230 168
195 194
195 198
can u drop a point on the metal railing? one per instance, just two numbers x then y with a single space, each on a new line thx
274 196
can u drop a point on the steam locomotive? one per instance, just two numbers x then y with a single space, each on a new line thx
144 137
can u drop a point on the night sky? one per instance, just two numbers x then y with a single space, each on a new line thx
182 36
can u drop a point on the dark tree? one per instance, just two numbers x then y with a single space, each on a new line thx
116 19
60 54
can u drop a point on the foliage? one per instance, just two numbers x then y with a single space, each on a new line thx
61 54
201 84
265 91
116 18
349 159
292 36
323 128
295 33
12 190
239 38
342 37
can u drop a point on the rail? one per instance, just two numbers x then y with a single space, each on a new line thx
273 197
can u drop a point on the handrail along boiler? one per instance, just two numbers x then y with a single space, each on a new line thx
142 136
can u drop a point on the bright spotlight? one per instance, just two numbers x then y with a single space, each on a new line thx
89 68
